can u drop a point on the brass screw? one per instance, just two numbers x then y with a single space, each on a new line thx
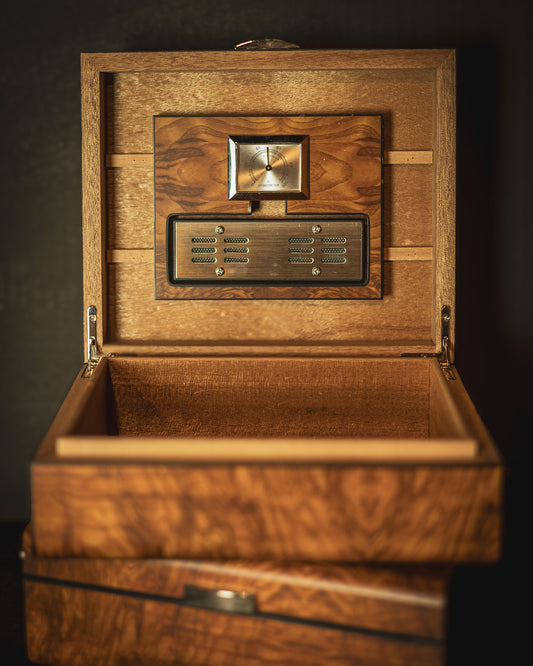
219 230
219 271
316 271
316 229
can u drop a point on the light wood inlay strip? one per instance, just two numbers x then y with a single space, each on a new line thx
117 160
129 160
408 157
146 255
278 450
408 254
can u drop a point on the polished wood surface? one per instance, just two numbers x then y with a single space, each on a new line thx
359 513
191 177
402 600
191 162
104 629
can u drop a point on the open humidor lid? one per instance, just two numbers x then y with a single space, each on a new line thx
413 92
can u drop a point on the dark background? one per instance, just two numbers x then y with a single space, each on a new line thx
41 315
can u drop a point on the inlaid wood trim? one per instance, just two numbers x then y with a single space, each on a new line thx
126 160
408 253
408 157
269 450
146 255
142 256
115 160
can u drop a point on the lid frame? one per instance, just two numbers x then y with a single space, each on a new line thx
95 67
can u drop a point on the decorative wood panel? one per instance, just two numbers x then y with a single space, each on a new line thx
191 177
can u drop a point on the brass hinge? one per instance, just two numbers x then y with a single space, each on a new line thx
93 357
444 356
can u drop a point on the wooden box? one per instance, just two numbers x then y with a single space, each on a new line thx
280 423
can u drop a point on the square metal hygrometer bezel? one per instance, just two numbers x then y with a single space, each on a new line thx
268 167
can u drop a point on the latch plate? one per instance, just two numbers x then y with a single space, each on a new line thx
221 600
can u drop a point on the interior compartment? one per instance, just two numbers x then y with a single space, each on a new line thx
267 399
324 459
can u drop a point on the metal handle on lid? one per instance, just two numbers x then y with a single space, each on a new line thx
265 45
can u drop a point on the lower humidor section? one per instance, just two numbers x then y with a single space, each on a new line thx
98 628
105 612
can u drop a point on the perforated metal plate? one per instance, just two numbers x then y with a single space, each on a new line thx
268 250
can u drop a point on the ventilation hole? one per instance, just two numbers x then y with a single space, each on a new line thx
333 260
237 250
301 240
236 240
203 260
301 250
334 250
204 250
334 239
236 260
301 260
204 239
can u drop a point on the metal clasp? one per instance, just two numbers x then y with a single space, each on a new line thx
221 600
265 45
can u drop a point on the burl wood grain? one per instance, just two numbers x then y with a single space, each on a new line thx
191 177
191 162
418 513
78 627
406 600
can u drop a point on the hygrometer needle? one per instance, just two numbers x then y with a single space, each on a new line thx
268 167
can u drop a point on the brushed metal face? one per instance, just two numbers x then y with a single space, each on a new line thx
273 250
273 167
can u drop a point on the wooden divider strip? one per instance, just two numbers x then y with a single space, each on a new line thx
269 450
146 255
116 160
